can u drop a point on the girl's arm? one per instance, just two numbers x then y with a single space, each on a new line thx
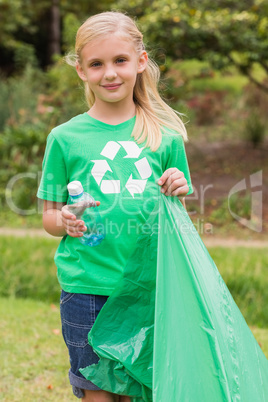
59 221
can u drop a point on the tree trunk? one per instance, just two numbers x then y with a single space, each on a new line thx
54 32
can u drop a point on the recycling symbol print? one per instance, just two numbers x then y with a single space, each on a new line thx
101 166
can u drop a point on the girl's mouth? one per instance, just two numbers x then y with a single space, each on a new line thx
111 86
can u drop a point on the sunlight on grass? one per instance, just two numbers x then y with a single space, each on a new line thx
229 83
261 335
33 354
244 270
28 268
203 78
11 219
28 271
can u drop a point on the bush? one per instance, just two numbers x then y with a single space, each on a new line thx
207 107
19 97
240 204
256 105
21 153
255 128
66 92
33 104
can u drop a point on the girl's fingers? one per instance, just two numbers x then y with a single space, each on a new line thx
74 234
66 213
173 184
181 191
75 231
73 227
71 222
166 175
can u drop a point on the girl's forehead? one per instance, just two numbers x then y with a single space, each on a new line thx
113 42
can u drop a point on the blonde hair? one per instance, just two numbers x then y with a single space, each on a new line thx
153 115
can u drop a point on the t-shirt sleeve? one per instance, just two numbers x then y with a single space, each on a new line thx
53 184
177 158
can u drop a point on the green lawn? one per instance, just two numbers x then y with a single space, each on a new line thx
28 271
34 358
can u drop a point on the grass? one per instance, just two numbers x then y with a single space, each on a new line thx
11 219
34 358
244 270
261 335
33 355
228 83
28 271
201 77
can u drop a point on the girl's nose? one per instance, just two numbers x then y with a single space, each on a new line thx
110 74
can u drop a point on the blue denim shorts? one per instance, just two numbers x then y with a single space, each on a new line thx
78 314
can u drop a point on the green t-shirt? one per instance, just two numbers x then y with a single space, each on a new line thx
119 173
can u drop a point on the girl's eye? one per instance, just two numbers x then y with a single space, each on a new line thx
121 60
96 64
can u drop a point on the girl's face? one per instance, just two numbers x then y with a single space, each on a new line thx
110 66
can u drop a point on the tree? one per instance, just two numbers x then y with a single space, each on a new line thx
31 31
54 44
224 32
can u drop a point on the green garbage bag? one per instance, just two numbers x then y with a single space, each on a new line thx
171 331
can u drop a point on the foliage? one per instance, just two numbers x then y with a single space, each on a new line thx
225 32
19 96
20 22
207 106
65 93
240 204
26 27
255 128
256 122
32 103
21 150
23 133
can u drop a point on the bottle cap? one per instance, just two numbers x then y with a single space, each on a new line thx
75 188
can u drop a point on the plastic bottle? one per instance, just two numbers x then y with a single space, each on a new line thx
84 207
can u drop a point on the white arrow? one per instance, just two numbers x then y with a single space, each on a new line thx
110 149
135 186
99 169
110 186
131 148
144 168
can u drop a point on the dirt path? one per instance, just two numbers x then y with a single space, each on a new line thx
209 242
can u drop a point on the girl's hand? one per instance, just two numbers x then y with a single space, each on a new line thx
173 183
74 227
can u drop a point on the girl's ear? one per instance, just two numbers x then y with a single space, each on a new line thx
80 71
142 63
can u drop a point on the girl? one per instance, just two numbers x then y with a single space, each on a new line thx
129 141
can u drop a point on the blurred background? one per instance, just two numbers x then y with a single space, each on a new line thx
213 56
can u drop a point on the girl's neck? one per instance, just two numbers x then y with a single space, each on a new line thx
112 113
